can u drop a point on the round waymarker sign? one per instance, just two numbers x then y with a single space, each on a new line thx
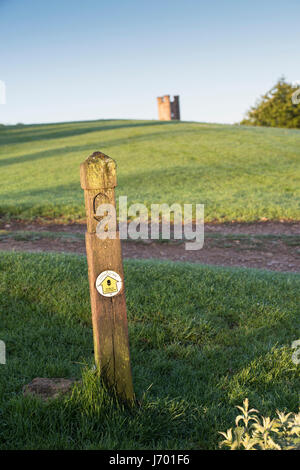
109 283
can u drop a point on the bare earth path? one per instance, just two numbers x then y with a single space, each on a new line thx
268 245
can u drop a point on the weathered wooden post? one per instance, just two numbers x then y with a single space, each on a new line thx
106 278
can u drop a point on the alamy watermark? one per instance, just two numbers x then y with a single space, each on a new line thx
2 352
296 94
2 92
137 222
296 354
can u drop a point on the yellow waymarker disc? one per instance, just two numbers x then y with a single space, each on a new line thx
109 283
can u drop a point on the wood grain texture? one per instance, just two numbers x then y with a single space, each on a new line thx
109 317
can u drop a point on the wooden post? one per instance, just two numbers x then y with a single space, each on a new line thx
111 346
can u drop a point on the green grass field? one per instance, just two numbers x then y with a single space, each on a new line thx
239 173
202 339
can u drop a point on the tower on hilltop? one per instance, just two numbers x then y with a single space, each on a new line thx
168 110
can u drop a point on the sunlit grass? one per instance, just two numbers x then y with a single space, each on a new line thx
202 339
239 173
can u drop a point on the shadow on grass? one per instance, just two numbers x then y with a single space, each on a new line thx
102 145
15 135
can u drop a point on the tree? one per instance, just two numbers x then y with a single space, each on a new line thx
279 107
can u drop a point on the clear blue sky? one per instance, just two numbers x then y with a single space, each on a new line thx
66 60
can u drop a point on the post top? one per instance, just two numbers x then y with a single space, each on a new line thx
98 171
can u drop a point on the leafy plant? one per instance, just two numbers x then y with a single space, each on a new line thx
260 433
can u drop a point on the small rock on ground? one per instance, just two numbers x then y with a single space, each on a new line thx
46 388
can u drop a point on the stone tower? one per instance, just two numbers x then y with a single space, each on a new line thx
168 110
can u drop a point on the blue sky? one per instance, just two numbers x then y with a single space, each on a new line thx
71 60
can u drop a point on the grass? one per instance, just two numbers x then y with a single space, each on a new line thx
240 173
202 339
28 235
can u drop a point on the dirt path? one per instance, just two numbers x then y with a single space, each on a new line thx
267 245
259 228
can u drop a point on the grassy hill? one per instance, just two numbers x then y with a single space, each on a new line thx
202 340
239 173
